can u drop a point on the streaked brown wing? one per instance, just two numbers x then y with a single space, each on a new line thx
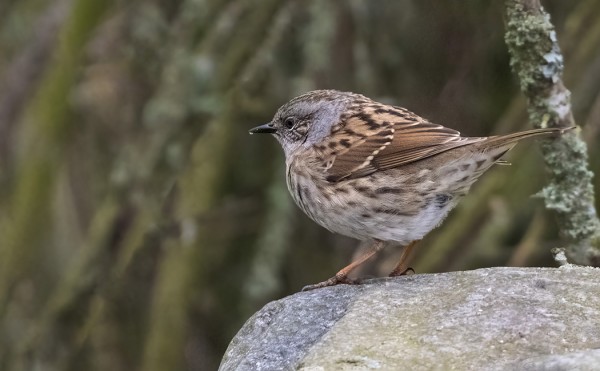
394 137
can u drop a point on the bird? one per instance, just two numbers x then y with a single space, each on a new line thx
377 172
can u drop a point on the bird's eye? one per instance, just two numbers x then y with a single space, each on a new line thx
288 123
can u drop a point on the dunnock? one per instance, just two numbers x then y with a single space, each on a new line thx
376 172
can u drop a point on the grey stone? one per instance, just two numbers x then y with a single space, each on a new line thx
492 319
581 361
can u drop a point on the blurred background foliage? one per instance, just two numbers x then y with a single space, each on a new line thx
141 225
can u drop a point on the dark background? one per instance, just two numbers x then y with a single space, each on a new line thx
140 224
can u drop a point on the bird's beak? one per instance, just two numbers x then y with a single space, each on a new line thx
266 128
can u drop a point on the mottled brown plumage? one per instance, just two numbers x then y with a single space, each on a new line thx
373 171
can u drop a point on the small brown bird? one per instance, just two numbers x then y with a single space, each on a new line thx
376 172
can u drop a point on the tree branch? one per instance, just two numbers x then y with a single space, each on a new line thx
537 61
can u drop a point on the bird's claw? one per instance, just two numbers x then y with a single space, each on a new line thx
335 280
404 272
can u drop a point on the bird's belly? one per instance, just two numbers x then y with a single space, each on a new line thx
363 212
404 228
363 222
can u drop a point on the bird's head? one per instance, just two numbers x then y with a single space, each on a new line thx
308 119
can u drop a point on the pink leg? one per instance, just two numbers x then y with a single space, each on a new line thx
401 269
342 275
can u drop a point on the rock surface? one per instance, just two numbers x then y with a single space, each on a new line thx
493 319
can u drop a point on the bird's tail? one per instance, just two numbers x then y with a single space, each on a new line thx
509 140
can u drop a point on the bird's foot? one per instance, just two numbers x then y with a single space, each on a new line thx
335 280
404 272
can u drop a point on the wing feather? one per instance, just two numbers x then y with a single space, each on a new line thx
390 137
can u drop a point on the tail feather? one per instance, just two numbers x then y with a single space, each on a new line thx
509 140
487 152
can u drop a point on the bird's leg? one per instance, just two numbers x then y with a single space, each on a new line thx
342 275
401 269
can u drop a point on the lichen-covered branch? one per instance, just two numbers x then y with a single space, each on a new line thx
537 61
